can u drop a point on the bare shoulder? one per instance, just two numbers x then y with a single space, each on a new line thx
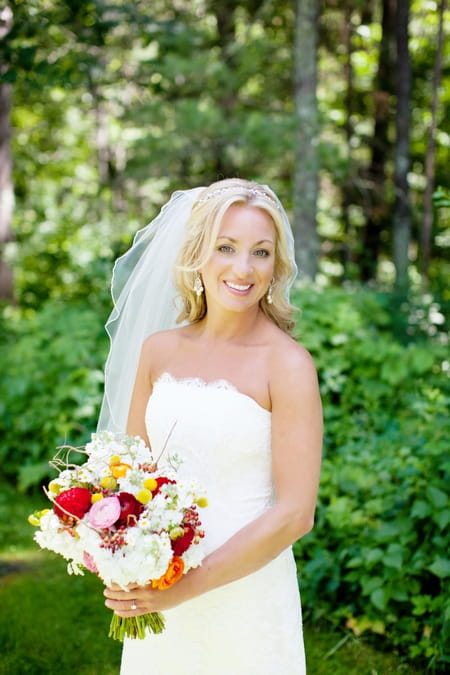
292 368
157 349
162 339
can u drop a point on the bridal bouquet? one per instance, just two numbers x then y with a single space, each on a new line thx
119 516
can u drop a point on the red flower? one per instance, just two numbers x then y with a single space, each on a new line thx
76 501
130 509
181 544
162 480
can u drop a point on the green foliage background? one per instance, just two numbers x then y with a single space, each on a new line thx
117 104
377 559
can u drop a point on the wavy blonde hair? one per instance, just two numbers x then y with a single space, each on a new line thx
202 230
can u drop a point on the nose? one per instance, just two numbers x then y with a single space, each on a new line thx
242 265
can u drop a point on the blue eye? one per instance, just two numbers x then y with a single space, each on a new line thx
262 253
224 248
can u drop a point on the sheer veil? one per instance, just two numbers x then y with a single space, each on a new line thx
144 298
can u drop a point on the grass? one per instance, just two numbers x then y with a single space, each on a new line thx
53 624
330 652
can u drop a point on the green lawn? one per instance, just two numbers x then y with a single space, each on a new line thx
54 624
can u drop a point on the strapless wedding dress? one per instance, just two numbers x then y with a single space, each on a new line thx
251 626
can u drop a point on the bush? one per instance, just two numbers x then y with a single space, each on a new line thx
377 559
378 556
51 382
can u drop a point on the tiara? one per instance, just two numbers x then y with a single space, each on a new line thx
251 191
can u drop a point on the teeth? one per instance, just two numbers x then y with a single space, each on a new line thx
238 287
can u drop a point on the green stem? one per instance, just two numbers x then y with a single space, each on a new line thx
135 626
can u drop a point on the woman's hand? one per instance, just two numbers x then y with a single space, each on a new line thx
137 600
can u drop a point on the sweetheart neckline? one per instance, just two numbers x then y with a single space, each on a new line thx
219 383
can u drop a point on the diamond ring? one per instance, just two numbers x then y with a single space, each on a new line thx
134 606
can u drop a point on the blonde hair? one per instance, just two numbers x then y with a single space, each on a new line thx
202 230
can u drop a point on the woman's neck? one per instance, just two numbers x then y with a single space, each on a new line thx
231 326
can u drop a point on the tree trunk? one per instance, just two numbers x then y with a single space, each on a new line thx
347 34
6 184
402 211
306 171
427 223
6 189
378 209
224 10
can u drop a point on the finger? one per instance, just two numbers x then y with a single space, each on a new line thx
114 586
128 609
121 605
116 593
127 614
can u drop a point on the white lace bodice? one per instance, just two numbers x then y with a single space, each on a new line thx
223 437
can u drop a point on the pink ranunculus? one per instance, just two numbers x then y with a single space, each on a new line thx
104 513
89 562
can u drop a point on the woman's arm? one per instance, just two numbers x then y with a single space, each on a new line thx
296 457
296 453
141 393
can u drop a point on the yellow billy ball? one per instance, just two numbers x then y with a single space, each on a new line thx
144 496
108 482
150 484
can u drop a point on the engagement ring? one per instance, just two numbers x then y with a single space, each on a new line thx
134 606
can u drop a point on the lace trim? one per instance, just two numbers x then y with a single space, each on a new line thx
200 383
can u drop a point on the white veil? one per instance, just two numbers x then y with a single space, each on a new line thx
144 295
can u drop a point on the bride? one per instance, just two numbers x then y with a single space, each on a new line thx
245 399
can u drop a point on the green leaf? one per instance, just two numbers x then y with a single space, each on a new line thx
32 474
442 518
438 498
394 372
420 509
441 568
380 598
394 559
420 360
370 584
373 555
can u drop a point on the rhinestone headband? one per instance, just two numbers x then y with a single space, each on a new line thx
251 191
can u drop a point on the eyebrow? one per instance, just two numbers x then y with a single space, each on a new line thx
262 241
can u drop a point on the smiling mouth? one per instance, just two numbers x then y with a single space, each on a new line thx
241 288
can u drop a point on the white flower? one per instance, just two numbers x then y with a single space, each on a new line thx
193 557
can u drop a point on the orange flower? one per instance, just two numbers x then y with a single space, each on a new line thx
120 469
173 574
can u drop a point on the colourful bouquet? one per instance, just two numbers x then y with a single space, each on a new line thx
119 516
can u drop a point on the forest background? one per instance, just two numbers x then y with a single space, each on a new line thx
106 107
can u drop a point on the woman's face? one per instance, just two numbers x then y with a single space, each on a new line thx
239 271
